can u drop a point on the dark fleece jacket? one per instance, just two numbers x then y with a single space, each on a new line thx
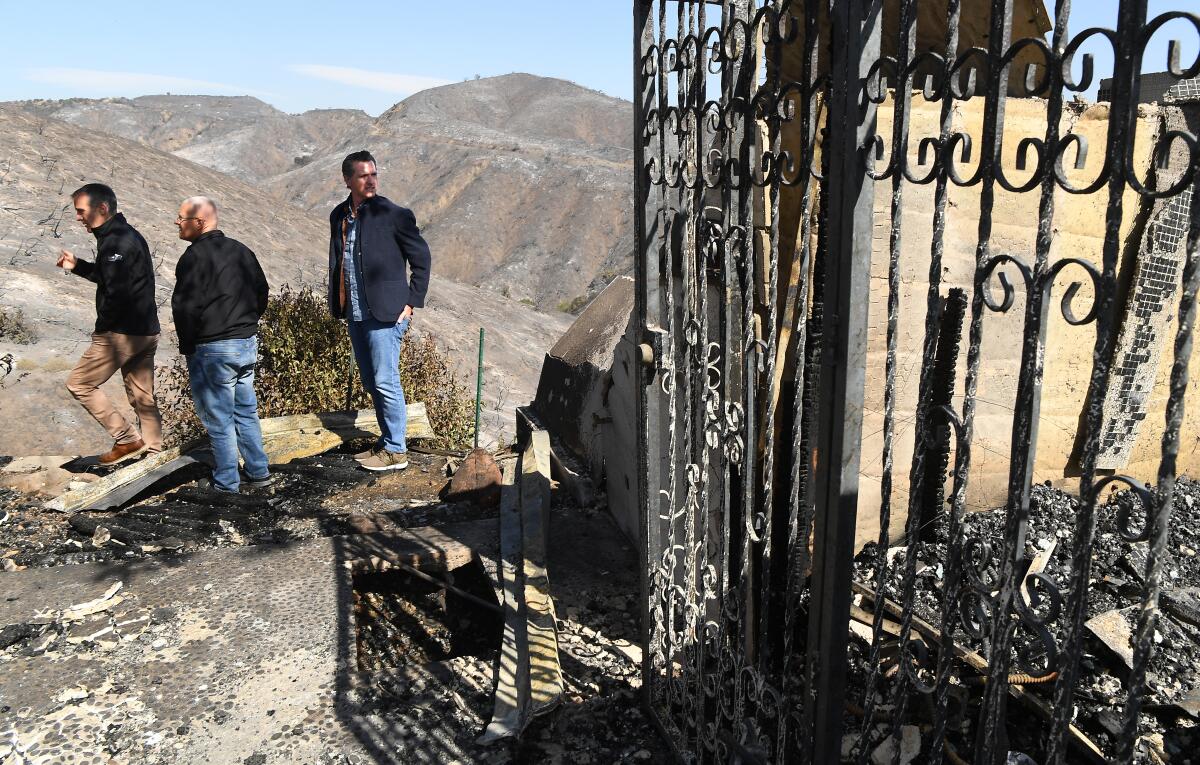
124 278
220 292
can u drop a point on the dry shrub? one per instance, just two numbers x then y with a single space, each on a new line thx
13 327
305 365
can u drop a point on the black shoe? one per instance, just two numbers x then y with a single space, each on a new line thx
208 485
257 483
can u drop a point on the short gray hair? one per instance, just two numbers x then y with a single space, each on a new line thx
199 202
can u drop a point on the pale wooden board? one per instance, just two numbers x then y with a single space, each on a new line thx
545 673
425 548
123 484
353 424
512 671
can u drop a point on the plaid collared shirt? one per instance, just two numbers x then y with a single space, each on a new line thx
356 307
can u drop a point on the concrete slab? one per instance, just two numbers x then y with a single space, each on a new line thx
248 657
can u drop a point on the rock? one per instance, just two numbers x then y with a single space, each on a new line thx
68 695
8 564
477 480
130 626
41 644
849 741
910 747
89 629
15 633
42 476
108 639
108 600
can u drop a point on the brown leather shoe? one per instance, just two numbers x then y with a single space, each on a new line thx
122 452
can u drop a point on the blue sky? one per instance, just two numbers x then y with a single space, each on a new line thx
302 55
305 55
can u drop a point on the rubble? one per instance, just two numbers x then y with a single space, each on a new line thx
1114 599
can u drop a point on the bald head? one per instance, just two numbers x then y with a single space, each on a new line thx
197 215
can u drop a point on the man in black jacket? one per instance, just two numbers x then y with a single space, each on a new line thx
220 293
126 335
378 273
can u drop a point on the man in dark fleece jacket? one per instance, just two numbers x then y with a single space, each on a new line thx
220 293
126 334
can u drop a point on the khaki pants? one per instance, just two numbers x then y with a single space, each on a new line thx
134 356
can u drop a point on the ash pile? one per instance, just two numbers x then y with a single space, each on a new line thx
1167 730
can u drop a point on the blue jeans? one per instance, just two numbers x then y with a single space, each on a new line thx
221 374
376 347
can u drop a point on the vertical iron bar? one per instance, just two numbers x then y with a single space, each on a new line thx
990 742
799 515
763 511
1131 18
932 302
1160 515
902 102
736 199
743 605
855 44
1026 414
646 301
692 267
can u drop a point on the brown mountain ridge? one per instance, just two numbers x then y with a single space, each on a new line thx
522 184
42 160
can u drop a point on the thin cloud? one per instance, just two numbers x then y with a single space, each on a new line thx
136 83
385 82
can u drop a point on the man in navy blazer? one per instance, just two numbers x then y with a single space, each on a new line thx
378 273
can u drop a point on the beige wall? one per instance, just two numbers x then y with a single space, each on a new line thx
1078 231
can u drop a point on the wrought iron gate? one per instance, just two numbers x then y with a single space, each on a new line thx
756 161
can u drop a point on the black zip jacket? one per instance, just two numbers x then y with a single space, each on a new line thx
387 242
220 292
124 278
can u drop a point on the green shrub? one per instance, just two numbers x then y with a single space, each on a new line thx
13 327
306 365
574 306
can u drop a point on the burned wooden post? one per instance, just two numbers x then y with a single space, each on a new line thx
940 394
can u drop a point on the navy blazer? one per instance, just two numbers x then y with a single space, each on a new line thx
387 249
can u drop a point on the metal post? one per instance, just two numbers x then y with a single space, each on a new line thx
479 388
855 46
646 312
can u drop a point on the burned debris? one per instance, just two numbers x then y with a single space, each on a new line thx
1169 722
411 577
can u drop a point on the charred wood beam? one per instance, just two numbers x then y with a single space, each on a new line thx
940 394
